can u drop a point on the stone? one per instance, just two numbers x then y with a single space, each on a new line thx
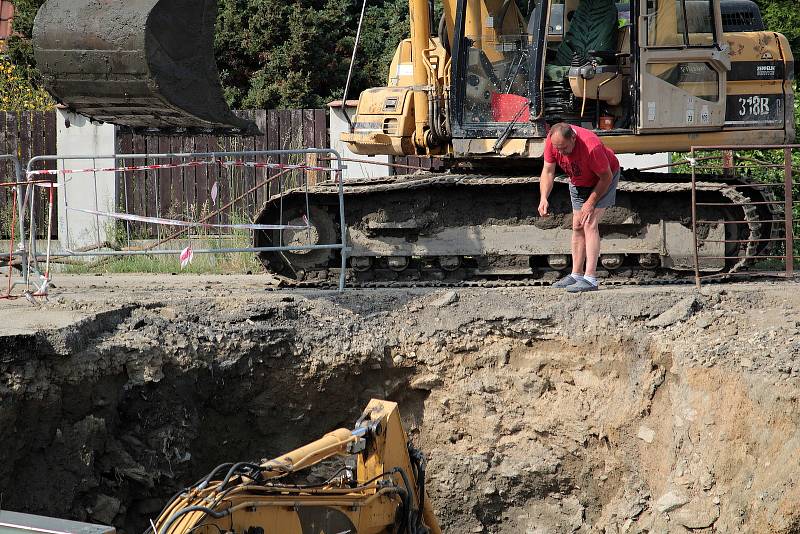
704 322
679 312
670 501
137 473
574 510
140 372
425 382
699 513
707 481
497 353
646 434
169 314
446 299
105 508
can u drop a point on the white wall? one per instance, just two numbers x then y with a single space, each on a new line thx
338 126
640 161
94 191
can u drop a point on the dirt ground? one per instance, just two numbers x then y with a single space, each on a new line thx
633 409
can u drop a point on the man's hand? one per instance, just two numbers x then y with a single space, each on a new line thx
544 207
587 212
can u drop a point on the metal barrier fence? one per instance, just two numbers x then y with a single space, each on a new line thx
96 200
16 226
18 255
765 189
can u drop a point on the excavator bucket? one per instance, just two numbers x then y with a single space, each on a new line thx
145 64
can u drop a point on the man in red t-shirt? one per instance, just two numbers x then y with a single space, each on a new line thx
593 171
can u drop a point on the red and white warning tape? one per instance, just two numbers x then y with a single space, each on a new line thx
191 224
38 183
281 166
122 169
131 168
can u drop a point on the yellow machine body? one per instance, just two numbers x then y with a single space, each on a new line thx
380 497
701 86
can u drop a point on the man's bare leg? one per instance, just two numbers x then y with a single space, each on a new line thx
578 244
591 234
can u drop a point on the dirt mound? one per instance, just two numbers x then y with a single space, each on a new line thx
628 410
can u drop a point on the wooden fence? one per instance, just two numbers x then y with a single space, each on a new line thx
26 134
186 192
181 192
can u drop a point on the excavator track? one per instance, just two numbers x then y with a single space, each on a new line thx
423 271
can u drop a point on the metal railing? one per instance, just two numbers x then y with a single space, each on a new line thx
765 190
92 204
16 256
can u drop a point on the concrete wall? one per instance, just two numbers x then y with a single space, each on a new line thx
77 136
338 125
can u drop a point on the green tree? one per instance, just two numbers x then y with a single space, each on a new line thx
296 53
278 54
783 16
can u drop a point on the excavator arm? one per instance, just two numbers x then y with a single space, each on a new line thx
382 492
144 64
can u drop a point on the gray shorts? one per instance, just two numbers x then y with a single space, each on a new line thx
579 195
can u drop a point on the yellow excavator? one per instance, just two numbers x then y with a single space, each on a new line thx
479 91
378 488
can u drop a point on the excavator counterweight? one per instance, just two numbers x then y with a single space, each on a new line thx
145 64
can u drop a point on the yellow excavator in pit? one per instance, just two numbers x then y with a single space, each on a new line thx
379 489
480 91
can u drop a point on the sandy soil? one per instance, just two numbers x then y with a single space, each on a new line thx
633 409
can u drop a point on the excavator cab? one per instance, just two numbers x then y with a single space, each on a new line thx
509 64
144 64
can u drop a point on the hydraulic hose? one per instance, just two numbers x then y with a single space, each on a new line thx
418 462
234 469
189 509
412 517
213 472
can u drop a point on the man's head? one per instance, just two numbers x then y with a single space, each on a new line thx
562 137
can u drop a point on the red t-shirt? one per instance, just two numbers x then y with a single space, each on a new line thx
589 158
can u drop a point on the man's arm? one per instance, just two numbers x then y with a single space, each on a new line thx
546 187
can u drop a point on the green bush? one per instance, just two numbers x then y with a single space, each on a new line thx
17 92
274 54
783 16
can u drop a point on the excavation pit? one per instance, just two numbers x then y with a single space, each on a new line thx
629 410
